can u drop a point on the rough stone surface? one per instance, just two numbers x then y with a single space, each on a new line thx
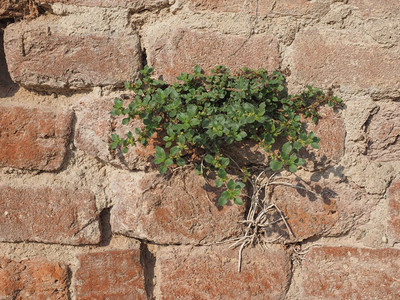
33 138
350 273
330 129
211 273
78 58
325 209
134 5
33 279
393 196
268 7
115 274
93 134
180 210
15 9
368 8
345 58
383 133
50 215
182 49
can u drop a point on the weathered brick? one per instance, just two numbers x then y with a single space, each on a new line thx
323 209
33 279
181 210
330 129
79 58
10 9
393 195
340 57
33 138
93 131
134 5
350 273
368 8
383 133
181 50
116 274
267 7
50 215
211 273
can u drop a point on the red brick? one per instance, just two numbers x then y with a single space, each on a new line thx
33 138
368 8
330 129
267 7
114 274
211 273
93 131
350 273
393 195
78 60
181 50
384 132
33 279
340 57
326 209
174 211
131 4
50 215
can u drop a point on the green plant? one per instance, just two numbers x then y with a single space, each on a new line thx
199 115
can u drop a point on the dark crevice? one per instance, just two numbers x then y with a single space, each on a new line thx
144 57
105 227
148 261
7 86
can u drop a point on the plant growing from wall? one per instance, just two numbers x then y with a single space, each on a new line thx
200 115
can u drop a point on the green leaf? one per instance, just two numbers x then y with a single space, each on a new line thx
222 173
180 162
286 148
163 169
209 159
223 199
231 184
293 168
125 121
218 182
315 145
238 201
125 150
275 165
169 162
174 150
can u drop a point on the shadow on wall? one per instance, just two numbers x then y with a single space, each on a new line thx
7 87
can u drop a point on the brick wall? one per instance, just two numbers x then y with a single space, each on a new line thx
78 221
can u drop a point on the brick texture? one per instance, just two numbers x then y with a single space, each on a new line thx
50 215
211 273
33 279
368 8
330 129
350 273
267 7
33 138
181 50
134 5
180 210
325 209
78 60
115 274
383 133
10 9
93 133
393 195
344 58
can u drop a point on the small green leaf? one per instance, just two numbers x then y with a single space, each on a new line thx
125 121
180 162
221 173
169 162
174 150
286 148
315 145
223 199
275 165
293 168
231 184
238 201
209 159
218 182
160 153
163 169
